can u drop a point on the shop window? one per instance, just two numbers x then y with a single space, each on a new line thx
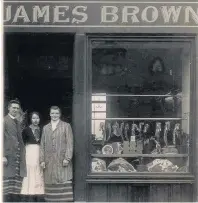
140 107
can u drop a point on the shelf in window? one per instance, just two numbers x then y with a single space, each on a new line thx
142 182
98 111
140 119
140 177
134 95
139 155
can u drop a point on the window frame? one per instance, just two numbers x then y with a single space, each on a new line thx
142 177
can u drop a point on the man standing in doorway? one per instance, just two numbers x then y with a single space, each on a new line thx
13 154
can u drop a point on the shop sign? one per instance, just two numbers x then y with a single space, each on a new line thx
100 14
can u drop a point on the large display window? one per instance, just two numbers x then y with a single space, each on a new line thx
140 99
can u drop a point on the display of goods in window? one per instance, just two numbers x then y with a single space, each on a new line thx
142 168
166 130
98 165
113 148
107 149
157 149
170 150
102 129
162 165
126 147
126 130
154 138
116 132
120 165
183 169
117 147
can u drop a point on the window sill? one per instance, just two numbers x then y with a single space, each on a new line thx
139 155
140 177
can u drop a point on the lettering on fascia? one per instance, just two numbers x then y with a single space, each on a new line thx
149 14
44 14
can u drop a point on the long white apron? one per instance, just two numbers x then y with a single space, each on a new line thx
33 184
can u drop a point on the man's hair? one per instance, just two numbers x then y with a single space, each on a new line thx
14 101
55 108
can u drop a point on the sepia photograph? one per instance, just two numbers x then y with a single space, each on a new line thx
99 101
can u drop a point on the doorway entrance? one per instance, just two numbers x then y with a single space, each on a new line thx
38 71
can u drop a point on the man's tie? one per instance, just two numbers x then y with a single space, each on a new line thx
15 120
17 126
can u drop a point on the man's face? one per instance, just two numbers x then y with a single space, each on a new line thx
14 109
55 114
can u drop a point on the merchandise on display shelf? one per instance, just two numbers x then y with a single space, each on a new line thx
98 165
120 165
145 138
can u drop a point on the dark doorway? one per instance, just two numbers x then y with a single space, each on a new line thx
38 71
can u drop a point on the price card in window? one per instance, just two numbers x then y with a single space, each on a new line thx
132 138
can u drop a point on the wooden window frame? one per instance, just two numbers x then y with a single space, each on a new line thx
141 177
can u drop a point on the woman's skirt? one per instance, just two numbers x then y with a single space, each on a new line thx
59 192
33 184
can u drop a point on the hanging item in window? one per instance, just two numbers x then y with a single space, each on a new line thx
141 138
102 129
171 148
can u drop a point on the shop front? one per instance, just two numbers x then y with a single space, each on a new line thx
124 74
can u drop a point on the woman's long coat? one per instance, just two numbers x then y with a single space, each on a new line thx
56 146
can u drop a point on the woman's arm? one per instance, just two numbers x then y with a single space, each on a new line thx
69 145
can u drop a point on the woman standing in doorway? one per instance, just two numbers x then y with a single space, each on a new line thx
33 185
56 153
